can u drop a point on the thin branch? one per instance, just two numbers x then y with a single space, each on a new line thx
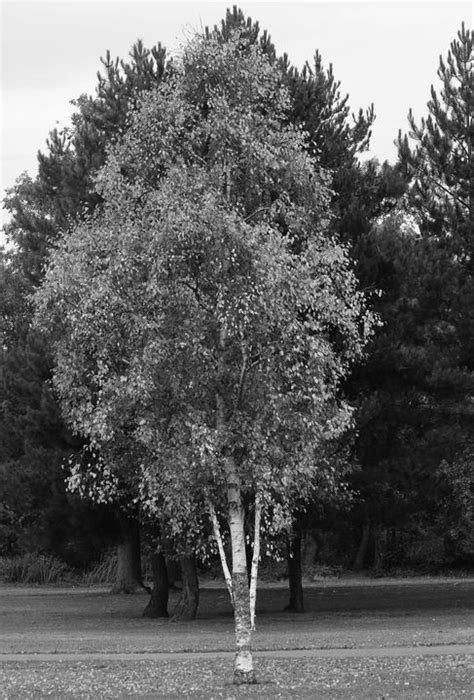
257 211
442 187
448 191
462 144
197 296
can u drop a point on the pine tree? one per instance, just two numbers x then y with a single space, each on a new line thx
63 190
441 164
335 135
441 167
415 389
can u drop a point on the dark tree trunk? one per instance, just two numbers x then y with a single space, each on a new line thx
249 557
174 571
187 605
295 574
380 547
310 548
363 546
158 603
129 570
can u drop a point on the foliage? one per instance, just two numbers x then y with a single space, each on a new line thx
212 143
414 393
335 136
441 163
64 188
34 440
196 260
456 518
411 412
103 572
441 166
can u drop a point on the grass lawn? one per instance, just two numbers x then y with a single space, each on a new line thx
85 629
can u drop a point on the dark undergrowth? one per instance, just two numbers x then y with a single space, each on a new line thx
40 568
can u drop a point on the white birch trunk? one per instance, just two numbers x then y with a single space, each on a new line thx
255 560
243 665
220 546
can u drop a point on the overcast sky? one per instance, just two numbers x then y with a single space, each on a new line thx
382 52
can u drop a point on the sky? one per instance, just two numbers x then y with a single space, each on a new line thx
383 52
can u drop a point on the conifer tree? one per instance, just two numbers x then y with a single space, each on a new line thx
64 189
40 208
336 136
416 386
441 167
440 164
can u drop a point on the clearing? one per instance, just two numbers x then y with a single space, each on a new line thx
360 638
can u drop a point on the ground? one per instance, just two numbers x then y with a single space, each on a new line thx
358 639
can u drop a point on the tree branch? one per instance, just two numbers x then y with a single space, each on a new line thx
254 213
197 296
442 187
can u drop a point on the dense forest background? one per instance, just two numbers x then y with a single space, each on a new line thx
404 494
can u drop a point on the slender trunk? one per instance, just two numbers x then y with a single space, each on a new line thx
295 573
186 608
237 584
129 573
158 603
220 547
255 560
363 546
243 666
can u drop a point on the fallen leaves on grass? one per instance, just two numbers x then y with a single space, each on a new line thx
414 677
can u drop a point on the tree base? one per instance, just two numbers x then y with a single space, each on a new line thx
182 617
158 603
154 612
294 607
187 605
245 678
130 588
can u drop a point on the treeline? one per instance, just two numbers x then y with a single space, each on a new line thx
378 474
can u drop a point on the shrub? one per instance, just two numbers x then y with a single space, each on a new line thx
34 568
104 572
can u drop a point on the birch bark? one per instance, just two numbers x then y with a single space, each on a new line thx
243 665
255 559
220 546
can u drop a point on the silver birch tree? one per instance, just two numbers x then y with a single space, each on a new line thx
208 310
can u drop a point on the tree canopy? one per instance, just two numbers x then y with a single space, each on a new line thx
440 164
